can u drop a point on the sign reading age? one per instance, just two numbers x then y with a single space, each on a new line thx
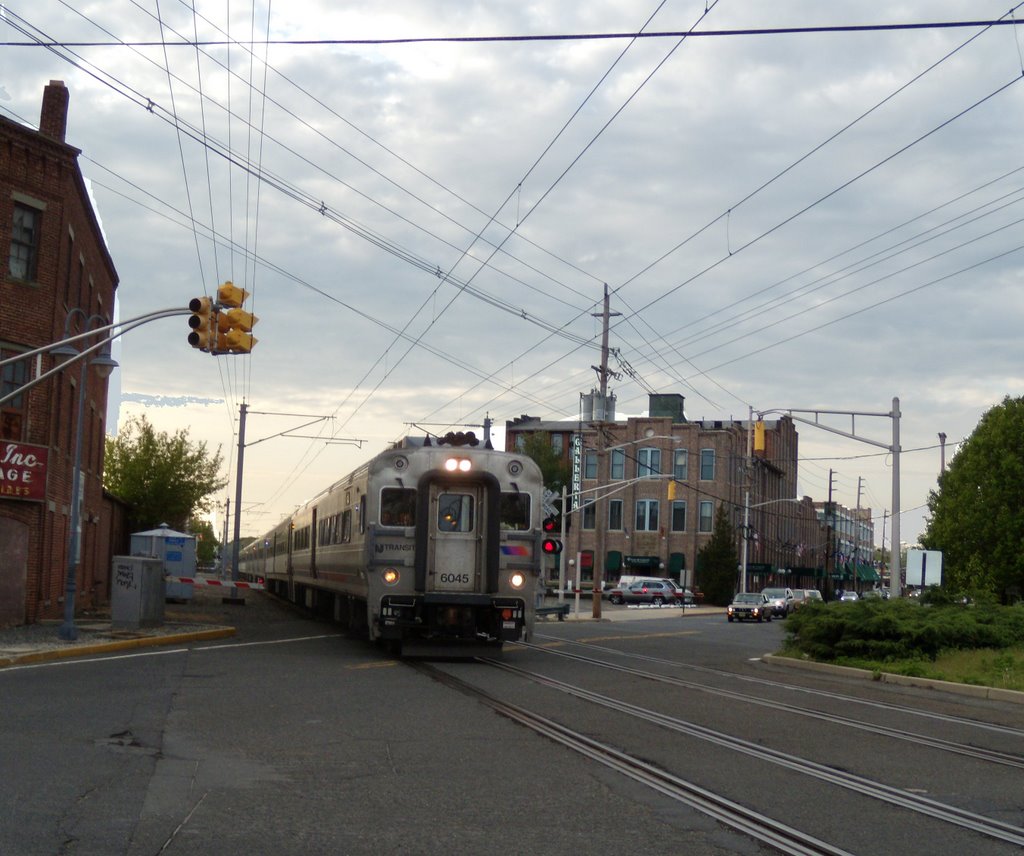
22 471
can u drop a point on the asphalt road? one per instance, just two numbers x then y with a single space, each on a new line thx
289 738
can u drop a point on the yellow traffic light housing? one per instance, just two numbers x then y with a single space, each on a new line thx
235 327
203 322
222 326
231 295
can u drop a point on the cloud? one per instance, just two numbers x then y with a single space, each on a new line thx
784 221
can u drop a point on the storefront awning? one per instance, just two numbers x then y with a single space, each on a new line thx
867 574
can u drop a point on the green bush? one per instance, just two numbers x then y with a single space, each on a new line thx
882 631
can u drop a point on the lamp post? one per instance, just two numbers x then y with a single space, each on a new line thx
746 532
104 366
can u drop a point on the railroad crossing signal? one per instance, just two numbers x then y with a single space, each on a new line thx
551 546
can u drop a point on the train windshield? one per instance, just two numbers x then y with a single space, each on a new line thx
455 512
398 506
515 511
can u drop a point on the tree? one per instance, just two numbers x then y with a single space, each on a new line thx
553 468
975 515
206 541
163 478
717 562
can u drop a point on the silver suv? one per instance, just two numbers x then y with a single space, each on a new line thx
781 600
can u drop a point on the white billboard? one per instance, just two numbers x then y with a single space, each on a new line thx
924 568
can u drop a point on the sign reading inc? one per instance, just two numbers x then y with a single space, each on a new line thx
22 471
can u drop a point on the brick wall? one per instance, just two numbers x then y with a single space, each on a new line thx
73 272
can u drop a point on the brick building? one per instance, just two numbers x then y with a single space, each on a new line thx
649 488
59 276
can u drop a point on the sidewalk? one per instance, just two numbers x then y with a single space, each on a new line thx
202 618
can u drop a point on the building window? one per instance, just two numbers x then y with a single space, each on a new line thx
707 464
681 465
12 414
557 444
25 242
590 464
707 516
589 515
647 515
520 443
678 516
648 463
618 464
615 514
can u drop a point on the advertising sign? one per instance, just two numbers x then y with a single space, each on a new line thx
924 568
22 471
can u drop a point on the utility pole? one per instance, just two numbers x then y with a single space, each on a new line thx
238 495
942 452
856 534
830 515
747 470
600 506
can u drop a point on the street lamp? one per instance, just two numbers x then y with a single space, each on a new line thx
104 365
746 532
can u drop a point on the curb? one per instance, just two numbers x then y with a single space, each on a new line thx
117 645
973 690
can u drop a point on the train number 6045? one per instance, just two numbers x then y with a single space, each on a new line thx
454 578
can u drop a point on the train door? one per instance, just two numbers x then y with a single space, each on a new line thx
455 558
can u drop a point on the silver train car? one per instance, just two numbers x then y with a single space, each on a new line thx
431 543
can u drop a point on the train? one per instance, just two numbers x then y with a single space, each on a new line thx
432 545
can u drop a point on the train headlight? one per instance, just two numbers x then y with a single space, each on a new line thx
462 465
518 580
391 576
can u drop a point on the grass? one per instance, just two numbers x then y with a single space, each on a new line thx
1003 668
974 643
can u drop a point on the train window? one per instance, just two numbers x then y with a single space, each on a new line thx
515 511
455 512
346 526
361 512
398 506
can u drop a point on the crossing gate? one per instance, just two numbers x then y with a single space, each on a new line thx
203 581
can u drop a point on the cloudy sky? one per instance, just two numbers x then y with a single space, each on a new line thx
426 220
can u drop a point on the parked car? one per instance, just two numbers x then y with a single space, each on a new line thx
617 593
781 600
849 596
872 594
657 592
802 597
750 604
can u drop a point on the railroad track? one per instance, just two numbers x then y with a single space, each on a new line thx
784 838
974 752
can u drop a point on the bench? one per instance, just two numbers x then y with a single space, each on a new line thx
561 610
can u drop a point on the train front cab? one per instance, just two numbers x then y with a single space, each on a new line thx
472 578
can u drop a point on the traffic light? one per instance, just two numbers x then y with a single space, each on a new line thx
231 295
203 322
235 329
